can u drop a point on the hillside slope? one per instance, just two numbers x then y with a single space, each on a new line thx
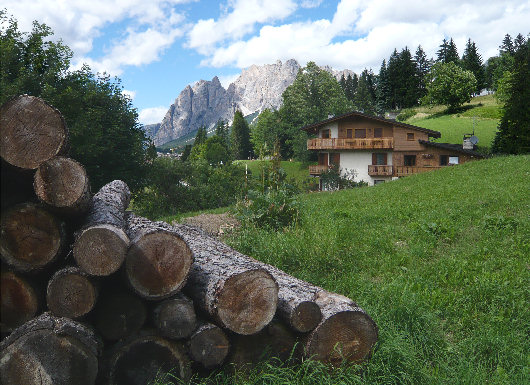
439 260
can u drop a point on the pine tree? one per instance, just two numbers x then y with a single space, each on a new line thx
472 61
452 53
407 83
221 130
240 137
507 45
394 77
442 52
365 96
383 89
200 137
423 66
518 42
351 86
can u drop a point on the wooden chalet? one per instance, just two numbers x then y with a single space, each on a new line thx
380 149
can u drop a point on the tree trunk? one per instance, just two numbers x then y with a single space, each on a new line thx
19 302
158 260
32 132
100 247
62 183
346 332
141 359
175 317
208 345
70 293
30 238
50 350
239 294
119 313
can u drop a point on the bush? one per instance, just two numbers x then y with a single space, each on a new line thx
334 179
406 114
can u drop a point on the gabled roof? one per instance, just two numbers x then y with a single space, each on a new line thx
452 147
315 126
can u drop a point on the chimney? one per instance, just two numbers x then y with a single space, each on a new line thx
469 142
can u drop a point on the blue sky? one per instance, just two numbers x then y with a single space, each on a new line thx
157 47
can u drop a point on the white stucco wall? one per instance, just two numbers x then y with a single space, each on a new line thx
359 161
333 130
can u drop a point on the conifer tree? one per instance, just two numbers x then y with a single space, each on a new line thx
442 52
423 66
221 130
472 61
452 53
518 42
365 96
383 89
200 137
240 137
393 78
507 45
407 84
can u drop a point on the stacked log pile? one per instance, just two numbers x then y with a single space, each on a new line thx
91 293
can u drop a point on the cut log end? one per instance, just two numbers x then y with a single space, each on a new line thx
158 264
30 237
305 317
209 346
175 318
248 301
32 132
18 301
70 294
347 335
100 250
63 183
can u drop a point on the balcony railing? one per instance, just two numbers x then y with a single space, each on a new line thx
379 170
350 144
318 169
409 170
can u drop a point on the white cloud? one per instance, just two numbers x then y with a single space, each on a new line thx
129 93
226 80
152 115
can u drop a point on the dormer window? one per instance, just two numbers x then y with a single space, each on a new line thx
325 134
410 136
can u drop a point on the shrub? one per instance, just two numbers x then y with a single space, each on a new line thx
406 114
334 179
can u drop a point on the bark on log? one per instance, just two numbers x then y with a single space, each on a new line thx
346 332
119 313
19 302
32 132
239 294
158 260
62 184
50 350
140 359
209 346
30 237
175 317
101 246
70 293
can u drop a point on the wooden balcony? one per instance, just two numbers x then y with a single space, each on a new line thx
318 169
379 170
409 170
350 144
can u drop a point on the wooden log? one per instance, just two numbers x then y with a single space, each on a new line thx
346 332
16 186
158 260
208 345
19 302
101 246
175 317
140 359
32 132
237 293
70 293
50 350
62 184
119 313
30 238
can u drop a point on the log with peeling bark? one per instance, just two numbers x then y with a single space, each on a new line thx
71 293
50 350
158 261
175 317
140 359
208 345
119 313
32 132
101 245
19 301
62 183
238 294
346 331
31 237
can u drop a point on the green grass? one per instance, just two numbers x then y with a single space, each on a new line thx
297 172
439 260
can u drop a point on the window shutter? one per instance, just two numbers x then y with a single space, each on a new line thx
374 158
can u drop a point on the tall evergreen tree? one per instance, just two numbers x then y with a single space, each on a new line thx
240 137
507 45
452 53
442 52
407 84
365 96
394 78
423 66
200 137
222 131
518 42
472 61
383 89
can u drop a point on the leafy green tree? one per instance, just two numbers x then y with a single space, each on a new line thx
472 61
449 84
215 151
513 136
240 137
265 132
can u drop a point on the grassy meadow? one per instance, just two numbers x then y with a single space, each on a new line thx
440 260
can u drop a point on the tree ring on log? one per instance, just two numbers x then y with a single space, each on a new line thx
70 295
157 264
209 346
32 132
18 301
30 237
247 301
347 335
306 316
101 249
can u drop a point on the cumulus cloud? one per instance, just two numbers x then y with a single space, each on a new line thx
131 94
152 115
226 80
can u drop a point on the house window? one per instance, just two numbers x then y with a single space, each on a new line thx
453 160
410 136
325 134
360 132
444 160
378 132
379 158
409 160
377 181
349 133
